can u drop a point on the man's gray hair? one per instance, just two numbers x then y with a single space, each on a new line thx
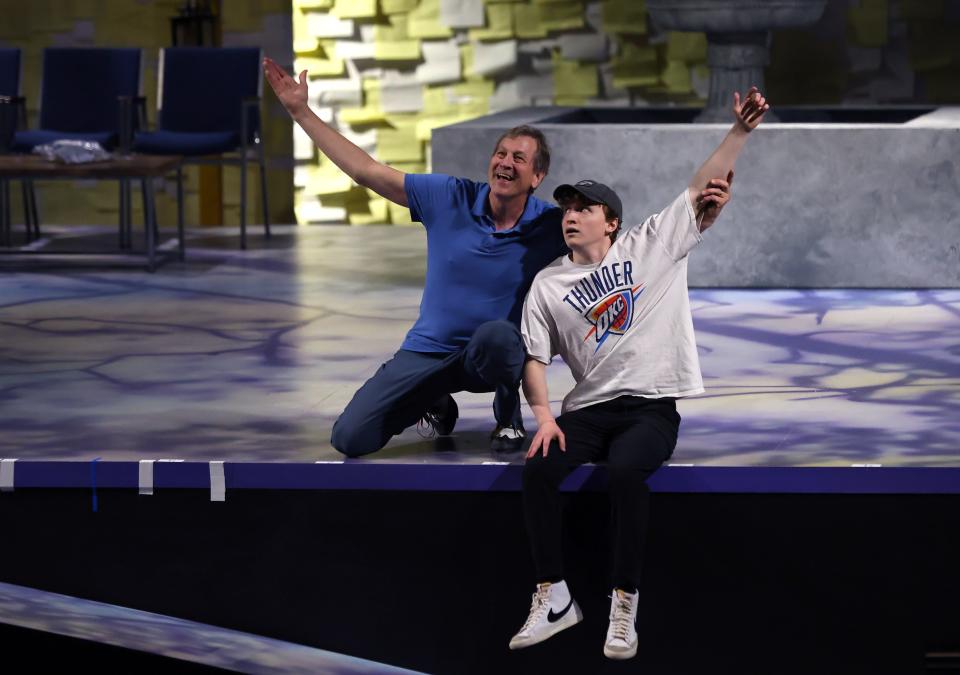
541 160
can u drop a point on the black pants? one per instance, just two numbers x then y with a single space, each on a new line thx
635 435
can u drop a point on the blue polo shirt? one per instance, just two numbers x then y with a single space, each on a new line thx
474 273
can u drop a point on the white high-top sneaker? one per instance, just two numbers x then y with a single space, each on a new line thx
552 610
622 634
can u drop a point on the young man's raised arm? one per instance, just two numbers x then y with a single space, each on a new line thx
361 167
705 189
535 390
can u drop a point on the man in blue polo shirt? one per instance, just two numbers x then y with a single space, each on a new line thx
485 243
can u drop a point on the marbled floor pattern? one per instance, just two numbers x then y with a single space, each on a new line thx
172 637
243 356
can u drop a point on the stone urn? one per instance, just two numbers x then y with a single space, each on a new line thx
738 40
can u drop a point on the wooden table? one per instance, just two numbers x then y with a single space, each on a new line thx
121 168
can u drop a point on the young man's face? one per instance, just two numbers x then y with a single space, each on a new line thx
584 223
511 168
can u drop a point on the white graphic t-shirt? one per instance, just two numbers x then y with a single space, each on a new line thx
623 325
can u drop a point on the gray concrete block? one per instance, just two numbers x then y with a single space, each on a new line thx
814 205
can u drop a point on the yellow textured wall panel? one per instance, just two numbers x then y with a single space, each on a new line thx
664 67
355 9
402 50
499 24
424 21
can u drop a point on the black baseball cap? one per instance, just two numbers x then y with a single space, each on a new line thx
593 191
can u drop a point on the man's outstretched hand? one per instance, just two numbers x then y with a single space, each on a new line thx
292 94
712 199
749 113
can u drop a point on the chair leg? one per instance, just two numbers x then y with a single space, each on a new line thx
34 210
27 219
180 234
153 205
5 214
150 223
146 208
34 215
146 190
263 191
243 198
128 187
122 235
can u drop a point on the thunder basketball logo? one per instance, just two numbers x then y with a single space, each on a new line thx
613 315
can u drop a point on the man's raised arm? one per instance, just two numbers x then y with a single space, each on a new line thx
361 167
707 191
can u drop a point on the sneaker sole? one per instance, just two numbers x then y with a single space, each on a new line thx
572 619
505 445
504 448
619 655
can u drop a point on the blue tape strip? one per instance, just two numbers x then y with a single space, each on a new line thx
93 481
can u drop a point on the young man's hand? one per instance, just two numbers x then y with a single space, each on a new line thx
709 193
749 114
712 199
292 94
546 433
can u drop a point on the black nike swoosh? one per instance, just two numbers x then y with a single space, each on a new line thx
554 617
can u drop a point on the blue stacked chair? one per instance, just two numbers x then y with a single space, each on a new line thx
84 95
209 112
14 116
10 83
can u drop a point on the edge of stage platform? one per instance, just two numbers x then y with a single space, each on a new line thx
489 477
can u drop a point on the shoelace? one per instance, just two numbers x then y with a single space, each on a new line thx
537 607
427 425
620 620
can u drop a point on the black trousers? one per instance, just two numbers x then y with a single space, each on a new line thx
635 436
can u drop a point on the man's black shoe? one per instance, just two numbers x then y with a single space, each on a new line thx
507 439
441 418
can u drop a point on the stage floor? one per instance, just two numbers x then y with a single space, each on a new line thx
248 357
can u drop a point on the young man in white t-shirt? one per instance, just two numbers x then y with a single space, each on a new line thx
617 311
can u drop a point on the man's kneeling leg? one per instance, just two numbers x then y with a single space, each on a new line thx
493 360
397 395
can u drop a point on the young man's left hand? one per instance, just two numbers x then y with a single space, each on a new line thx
749 114
712 199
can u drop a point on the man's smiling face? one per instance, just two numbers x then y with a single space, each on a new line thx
511 171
